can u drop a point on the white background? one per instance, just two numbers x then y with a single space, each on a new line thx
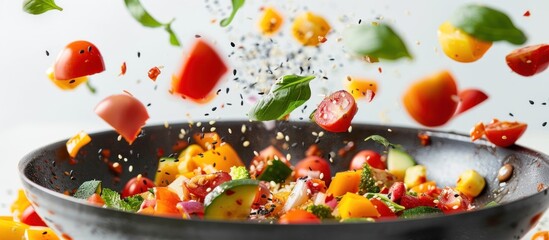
34 112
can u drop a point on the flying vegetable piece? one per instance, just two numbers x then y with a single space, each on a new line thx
336 112
375 41
124 113
237 4
500 133
459 45
78 59
469 98
431 101
40 6
309 29
76 142
270 22
202 69
530 60
362 88
140 14
63 84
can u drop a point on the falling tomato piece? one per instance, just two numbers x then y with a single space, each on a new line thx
470 98
200 73
336 112
528 61
477 131
271 21
122 69
153 73
76 142
124 113
78 59
432 101
500 133
526 14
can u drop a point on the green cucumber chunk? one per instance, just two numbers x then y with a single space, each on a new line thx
87 189
398 161
278 172
231 200
422 211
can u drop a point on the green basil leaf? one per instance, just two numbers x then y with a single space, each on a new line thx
139 13
377 41
90 87
39 6
237 4
287 94
487 24
112 200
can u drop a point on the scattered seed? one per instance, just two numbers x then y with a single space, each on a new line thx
505 172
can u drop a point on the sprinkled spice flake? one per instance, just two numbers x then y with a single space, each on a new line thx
526 14
47 53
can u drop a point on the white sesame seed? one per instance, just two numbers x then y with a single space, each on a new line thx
315 134
279 136
198 124
166 125
350 129
389 130
320 134
288 157
256 153
130 168
212 129
243 128
212 122
230 131
119 156
119 138
287 138
246 143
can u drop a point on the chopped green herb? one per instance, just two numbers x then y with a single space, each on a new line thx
239 172
491 204
367 181
237 4
383 141
87 189
375 41
487 24
139 13
91 88
113 200
39 6
287 94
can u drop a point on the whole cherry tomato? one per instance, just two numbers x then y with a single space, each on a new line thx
314 166
137 185
78 59
367 156
336 112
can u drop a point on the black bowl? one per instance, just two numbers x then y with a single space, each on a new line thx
48 173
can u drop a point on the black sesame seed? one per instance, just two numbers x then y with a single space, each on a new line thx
148 104
531 102
214 108
227 90
138 54
359 21
232 44
197 36
47 53
234 72
72 81
511 114
82 51
544 124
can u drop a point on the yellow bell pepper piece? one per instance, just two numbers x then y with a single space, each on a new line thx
271 21
19 205
353 205
12 230
359 87
186 164
309 29
459 45
415 175
221 158
344 182
470 183
424 187
40 233
65 84
166 173
76 142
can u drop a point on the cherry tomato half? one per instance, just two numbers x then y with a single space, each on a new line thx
78 59
432 101
201 185
409 201
137 185
201 71
384 211
259 163
315 167
336 112
30 217
504 133
529 60
469 98
298 216
452 201
124 113
367 156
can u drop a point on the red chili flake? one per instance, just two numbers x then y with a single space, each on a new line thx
322 39
379 70
229 192
541 187
66 236
153 73
527 13
122 69
424 138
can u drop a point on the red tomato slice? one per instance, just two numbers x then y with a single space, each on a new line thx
30 217
530 60
298 216
78 59
409 201
259 163
336 112
201 71
384 211
477 132
432 101
504 133
96 200
367 156
452 201
137 185
469 98
124 113
315 167
201 185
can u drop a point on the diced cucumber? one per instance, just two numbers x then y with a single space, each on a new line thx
422 211
277 171
87 189
398 161
167 171
231 200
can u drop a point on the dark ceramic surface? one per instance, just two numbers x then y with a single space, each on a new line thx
46 174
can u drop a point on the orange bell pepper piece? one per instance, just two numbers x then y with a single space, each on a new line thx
19 205
221 158
344 182
40 233
353 205
76 142
207 140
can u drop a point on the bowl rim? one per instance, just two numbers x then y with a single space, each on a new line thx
26 159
